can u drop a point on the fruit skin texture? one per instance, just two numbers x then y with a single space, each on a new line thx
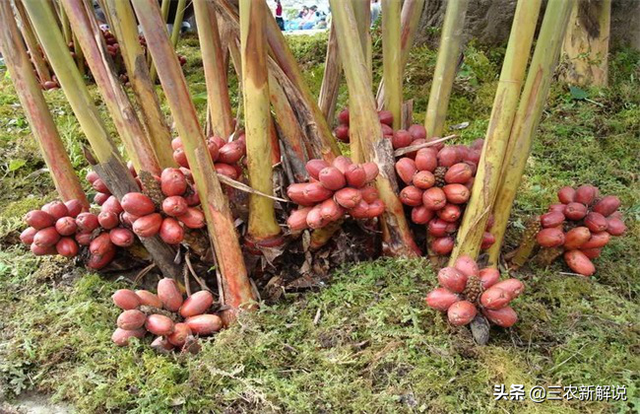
87 222
596 222
171 232
149 299
442 245
67 247
411 196
586 194
505 317
97 262
57 209
441 299
607 206
137 204
458 173
356 176
551 237
42 250
196 304
108 219
566 195
348 197
406 169
552 219
173 182
193 218
174 206
452 279
579 262
466 265
425 180
148 226
121 337
426 159
461 313
204 324
576 237
298 219
489 277
66 226
101 245
46 237
421 215
27 235
575 211
315 192
180 333
332 179
159 324
616 227
125 299
121 237
449 213
456 193
131 319
597 240
494 298
39 220
169 294
434 198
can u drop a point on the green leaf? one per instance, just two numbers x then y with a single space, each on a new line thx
200 98
578 93
16 164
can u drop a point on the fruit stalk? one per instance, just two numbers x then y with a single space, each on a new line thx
505 104
220 223
330 78
214 68
109 164
364 121
392 56
122 112
125 29
164 11
530 109
43 127
446 67
32 43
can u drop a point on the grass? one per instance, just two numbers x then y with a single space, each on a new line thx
376 347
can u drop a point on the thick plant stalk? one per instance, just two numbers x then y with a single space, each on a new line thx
410 20
164 11
177 22
505 104
32 44
215 71
534 95
66 27
220 223
285 59
125 29
445 71
109 163
35 107
331 78
397 237
392 59
362 13
263 226
586 44
124 116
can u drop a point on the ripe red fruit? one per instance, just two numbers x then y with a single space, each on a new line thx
421 215
108 220
342 163
66 226
100 198
494 298
181 332
331 178
426 159
434 198
342 133
204 324
456 193
466 265
169 294
552 219
173 182
575 211
406 169
487 240
171 232
576 237
46 237
417 131
385 117
616 227
112 204
176 143
125 299
449 213
597 240
489 277
27 235
121 337
56 208
437 227
92 176
592 253
566 195
343 116
551 237
586 194
461 313
298 219
196 304
121 237
330 210
296 193
458 173
607 206
74 206
505 317
315 219
149 299
67 247
159 325
448 156
424 180
83 239
147 226
512 286
213 148
180 157
411 196
193 218
174 206
137 204
42 250
369 194
376 208
347 197
360 211
227 170
316 192
314 167
452 279
39 219
100 186
387 131
356 176
101 245
231 152
401 139
131 319
579 262
371 170
596 222
441 299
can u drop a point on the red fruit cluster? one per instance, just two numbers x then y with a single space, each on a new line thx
466 290
52 229
178 209
416 134
225 155
174 320
438 185
581 224
334 191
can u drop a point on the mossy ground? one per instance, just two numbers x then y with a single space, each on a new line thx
375 347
